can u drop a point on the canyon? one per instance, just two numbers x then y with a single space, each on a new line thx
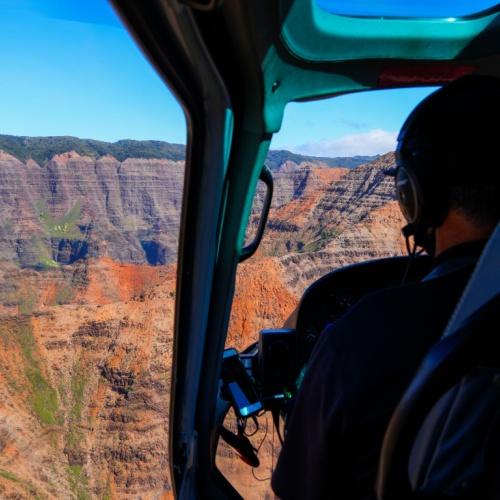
87 293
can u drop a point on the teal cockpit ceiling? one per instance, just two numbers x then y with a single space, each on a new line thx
313 33
402 9
328 47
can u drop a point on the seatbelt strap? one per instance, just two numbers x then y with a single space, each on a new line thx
483 285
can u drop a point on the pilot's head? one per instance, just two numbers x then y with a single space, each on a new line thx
448 159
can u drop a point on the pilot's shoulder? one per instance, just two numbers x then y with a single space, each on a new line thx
409 296
380 313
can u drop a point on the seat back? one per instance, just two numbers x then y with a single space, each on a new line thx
437 442
450 455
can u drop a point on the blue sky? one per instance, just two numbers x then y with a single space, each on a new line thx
364 123
70 68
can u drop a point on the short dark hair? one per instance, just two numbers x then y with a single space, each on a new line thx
455 133
480 204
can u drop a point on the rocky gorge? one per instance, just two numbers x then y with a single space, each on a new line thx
87 264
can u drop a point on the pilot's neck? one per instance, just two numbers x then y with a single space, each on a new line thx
458 229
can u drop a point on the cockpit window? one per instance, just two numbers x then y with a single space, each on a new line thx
91 180
333 205
414 9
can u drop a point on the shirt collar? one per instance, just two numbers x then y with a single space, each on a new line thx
469 249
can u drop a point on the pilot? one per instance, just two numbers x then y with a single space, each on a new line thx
447 184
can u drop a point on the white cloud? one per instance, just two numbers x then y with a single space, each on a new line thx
374 142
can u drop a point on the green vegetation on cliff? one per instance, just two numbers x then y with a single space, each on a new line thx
43 397
78 482
42 149
26 485
64 227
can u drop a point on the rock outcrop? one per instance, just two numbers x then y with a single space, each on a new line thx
74 207
85 386
87 292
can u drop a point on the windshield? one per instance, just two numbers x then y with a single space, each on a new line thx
333 206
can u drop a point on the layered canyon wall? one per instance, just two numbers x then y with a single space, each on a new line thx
87 292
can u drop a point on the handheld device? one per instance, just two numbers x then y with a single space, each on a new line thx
238 385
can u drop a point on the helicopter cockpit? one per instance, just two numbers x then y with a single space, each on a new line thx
211 281
234 66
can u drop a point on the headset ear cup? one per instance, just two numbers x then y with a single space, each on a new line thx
424 205
409 195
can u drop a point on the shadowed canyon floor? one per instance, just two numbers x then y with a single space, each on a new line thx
86 338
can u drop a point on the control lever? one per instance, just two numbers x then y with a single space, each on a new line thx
241 444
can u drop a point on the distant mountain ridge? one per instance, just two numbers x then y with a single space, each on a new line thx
42 149
276 158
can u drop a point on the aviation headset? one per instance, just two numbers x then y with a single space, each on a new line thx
449 139
422 197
